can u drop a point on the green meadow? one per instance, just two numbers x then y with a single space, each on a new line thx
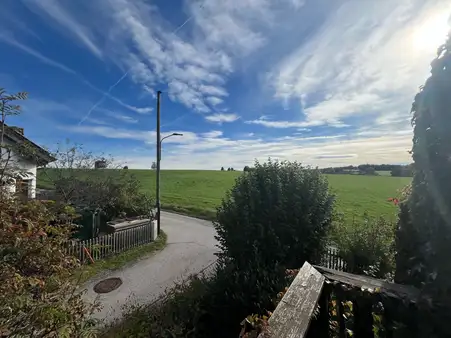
199 192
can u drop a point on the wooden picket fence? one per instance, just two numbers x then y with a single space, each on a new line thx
332 260
112 244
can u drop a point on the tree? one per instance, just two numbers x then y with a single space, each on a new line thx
38 294
222 168
125 167
424 228
228 169
8 108
9 169
246 168
402 171
154 166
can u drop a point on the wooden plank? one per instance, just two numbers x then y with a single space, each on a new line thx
329 257
363 318
293 315
389 289
340 314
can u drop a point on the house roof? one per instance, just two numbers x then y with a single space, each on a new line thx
35 152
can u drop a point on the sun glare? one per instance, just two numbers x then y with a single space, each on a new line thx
432 33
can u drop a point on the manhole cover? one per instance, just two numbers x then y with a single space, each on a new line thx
107 285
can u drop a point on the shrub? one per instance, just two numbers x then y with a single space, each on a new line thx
37 296
177 313
367 246
117 193
200 307
278 213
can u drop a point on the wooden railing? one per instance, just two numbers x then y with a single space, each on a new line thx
331 259
108 245
322 302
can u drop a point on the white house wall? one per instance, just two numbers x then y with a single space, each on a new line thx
25 166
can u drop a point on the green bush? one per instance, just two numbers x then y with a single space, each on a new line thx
116 196
276 216
278 213
77 181
367 246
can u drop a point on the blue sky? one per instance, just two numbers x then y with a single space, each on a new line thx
323 82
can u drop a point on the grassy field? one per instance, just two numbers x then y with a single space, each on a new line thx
197 192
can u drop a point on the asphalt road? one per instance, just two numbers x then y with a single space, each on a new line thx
190 248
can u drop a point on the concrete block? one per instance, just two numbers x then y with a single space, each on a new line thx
153 230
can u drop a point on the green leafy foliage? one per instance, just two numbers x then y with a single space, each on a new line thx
275 216
76 182
37 296
368 246
424 229
278 213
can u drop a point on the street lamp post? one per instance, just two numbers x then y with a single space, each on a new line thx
159 142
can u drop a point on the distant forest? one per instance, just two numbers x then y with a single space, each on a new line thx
372 169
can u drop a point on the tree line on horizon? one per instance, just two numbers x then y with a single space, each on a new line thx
396 170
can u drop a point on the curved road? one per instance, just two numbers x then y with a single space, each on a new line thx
190 248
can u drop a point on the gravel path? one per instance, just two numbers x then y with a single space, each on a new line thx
190 248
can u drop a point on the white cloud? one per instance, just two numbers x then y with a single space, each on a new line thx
155 52
214 101
13 42
362 62
187 95
276 124
53 10
119 117
212 134
221 117
212 150
238 153
238 27
94 120
212 90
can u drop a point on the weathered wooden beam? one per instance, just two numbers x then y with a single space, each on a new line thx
392 290
324 317
293 315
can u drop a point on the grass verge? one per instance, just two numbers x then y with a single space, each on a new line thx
192 211
88 271
168 316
